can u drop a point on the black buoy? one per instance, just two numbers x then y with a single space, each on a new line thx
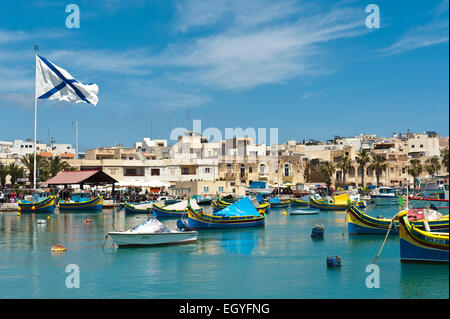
334 261
318 231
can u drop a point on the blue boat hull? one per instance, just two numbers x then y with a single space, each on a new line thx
414 253
197 224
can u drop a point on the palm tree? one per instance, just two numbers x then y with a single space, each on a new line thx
432 165
345 164
415 170
15 172
55 165
3 173
28 162
445 158
363 158
328 170
379 165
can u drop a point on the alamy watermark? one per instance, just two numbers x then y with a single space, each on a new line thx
373 19
73 279
73 19
373 279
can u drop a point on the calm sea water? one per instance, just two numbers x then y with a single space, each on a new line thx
279 260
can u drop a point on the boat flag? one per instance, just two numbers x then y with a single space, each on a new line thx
55 83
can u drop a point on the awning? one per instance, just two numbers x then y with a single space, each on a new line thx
91 177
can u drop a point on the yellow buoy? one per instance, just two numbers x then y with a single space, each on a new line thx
19 208
284 213
33 208
18 214
58 248
48 217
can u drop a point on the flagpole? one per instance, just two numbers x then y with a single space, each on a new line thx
36 50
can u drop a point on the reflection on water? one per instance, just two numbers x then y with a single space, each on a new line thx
237 263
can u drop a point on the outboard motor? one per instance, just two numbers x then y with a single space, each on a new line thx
182 225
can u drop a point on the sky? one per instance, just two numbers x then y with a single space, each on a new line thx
311 69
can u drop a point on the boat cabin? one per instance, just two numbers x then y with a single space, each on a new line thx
37 197
81 197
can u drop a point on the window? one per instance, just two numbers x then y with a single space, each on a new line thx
287 170
185 171
421 145
412 146
220 189
154 172
250 169
205 189
207 170
262 169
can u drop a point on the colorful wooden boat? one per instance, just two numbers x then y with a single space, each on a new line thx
417 201
152 233
417 245
240 214
324 204
175 210
82 201
299 202
139 208
41 203
277 203
360 223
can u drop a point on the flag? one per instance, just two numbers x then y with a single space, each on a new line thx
55 83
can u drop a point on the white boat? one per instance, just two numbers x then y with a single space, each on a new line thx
150 233
384 196
260 187
304 212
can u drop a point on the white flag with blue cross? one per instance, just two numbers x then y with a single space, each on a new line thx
55 83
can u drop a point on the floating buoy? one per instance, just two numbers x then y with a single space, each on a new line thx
19 209
18 214
334 261
318 231
33 208
58 248
284 213
87 220
48 217
41 221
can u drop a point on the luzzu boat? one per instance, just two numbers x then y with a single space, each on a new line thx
417 245
360 223
299 202
277 203
219 204
42 202
82 201
175 210
139 208
339 202
243 213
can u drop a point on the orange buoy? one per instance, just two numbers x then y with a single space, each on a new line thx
87 220
58 248
19 209
33 208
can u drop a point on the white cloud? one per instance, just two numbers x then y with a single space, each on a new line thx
432 33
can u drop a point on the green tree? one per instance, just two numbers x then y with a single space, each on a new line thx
444 155
415 169
432 166
379 165
363 158
328 169
28 162
4 172
345 164
15 172
55 165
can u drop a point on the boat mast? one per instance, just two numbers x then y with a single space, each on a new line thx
36 50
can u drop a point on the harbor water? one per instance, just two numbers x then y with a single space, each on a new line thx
279 260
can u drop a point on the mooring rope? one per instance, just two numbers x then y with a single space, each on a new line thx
385 238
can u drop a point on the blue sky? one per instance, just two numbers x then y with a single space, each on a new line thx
312 69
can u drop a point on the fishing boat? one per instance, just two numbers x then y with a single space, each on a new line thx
175 210
260 187
277 203
299 202
203 199
220 203
418 201
360 223
339 202
307 211
418 245
150 233
243 213
42 202
82 201
139 208
384 196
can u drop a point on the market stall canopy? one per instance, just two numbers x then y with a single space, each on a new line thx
91 177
